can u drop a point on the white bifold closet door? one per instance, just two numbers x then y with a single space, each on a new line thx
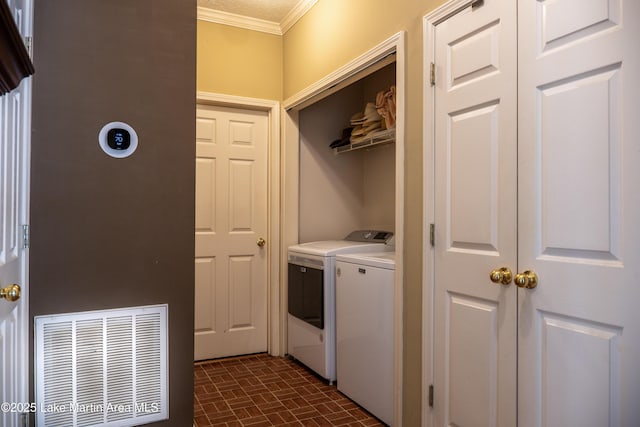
537 144
475 216
579 212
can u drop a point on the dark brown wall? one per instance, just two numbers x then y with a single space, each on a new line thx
106 232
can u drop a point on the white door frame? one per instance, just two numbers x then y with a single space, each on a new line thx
275 316
21 386
332 83
21 320
429 23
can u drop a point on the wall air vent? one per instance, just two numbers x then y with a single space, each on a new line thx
102 368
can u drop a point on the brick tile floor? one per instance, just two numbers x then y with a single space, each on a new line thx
261 390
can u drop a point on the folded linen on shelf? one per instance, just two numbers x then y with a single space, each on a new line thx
376 117
365 122
386 106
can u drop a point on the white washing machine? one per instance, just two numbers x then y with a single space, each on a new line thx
311 296
364 330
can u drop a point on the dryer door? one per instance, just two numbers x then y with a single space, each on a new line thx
306 294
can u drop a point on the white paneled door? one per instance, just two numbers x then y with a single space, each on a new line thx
579 212
475 217
231 226
15 118
537 214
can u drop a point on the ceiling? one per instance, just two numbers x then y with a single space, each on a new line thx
267 10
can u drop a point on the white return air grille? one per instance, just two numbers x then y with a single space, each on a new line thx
102 368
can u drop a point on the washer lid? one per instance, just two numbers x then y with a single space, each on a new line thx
333 247
371 259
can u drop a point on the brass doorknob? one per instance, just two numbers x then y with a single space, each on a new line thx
527 279
501 275
10 293
261 242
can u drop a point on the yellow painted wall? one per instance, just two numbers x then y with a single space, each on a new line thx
236 61
330 35
247 63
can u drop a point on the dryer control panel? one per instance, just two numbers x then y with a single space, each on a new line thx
369 236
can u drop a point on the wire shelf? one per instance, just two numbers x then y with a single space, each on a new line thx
382 137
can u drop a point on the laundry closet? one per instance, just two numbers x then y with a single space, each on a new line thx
350 187
344 194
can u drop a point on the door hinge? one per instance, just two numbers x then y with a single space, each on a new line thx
28 43
432 74
25 236
431 395
432 235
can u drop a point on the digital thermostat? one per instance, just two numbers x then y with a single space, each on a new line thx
118 139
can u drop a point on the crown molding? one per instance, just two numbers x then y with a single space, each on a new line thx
295 14
226 18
